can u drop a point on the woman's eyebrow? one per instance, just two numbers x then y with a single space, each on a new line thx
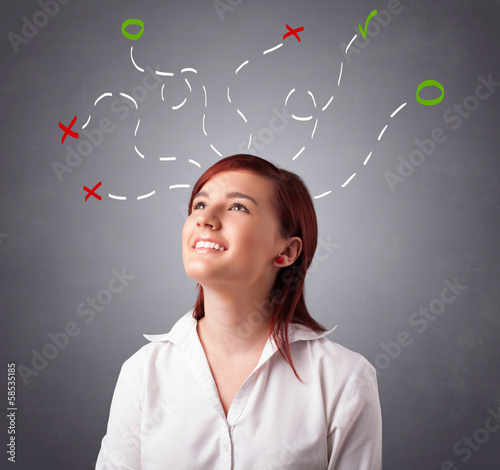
228 196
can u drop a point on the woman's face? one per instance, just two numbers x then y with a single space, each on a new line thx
250 233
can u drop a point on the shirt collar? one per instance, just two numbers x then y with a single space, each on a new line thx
181 328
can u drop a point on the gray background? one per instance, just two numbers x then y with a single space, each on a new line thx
393 249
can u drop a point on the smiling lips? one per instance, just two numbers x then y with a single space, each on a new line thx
204 247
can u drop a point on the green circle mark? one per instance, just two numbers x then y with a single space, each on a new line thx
425 84
129 22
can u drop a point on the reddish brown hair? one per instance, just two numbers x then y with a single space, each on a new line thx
297 218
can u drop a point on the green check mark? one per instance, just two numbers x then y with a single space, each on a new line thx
363 31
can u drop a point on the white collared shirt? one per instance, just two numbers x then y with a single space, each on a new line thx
166 413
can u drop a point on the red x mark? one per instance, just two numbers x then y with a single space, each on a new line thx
68 131
91 192
294 32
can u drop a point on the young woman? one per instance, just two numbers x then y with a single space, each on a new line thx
246 379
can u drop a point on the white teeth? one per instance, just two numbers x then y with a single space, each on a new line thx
202 244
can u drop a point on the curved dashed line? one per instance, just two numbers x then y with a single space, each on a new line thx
133 61
352 40
215 150
101 97
272 49
367 158
194 163
189 69
327 104
188 84
85 125
350 178
120 198
203 125
382 133
340 74
288 96
162 87
241 114
138 153
298 118
228 98
205 91
165 159
144 196
322 195
137 127
397 110
175 186
131 99
178 106
312 96
164 74
299 152
242 65
314 130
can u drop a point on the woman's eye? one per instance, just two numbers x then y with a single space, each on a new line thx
236 204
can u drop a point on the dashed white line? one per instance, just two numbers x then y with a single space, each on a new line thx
188 69
137 127
312 96
397 110
340 74
367 158
382 133
322 195
194 163
85 125
216 151
241 114
133 61
314 130
203 125
298 118
175 186
205 91
178 106
327 104
188 84
229 99
351 177
167 159
121 198
131 99
298 153
352 40
162 87
101 97
288 96
138 153
273 48
164 74
144 196
243 64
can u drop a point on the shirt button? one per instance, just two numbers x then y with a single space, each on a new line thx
226 447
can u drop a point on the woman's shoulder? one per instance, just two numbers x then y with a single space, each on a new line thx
334 358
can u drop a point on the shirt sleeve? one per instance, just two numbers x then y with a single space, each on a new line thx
121 446
355 437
